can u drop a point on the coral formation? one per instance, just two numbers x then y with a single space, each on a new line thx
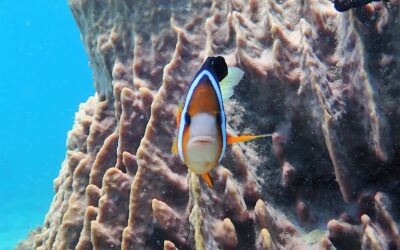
326 83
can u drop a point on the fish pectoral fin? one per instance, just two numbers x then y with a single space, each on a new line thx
179 113
174 148
243 138
207 178
230 81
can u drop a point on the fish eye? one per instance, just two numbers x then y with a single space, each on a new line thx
187 119
219 118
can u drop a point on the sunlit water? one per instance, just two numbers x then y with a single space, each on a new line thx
44 76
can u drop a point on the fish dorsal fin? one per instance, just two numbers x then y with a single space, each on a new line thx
230 81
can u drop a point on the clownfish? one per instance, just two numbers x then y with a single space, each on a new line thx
201 121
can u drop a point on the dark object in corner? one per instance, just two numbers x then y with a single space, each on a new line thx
344 5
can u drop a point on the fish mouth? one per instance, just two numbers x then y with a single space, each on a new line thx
201 140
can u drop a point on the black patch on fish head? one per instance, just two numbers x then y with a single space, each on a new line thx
217 66
220 68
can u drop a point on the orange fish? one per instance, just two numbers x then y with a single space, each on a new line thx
201 120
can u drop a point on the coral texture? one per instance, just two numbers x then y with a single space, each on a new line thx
326 83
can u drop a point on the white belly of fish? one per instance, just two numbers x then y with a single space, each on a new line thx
202 156
202 148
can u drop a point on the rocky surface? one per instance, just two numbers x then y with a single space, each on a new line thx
326 83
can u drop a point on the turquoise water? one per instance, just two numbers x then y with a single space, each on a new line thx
44 76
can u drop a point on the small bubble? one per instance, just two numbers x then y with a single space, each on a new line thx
142 117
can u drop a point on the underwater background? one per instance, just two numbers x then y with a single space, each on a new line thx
44 77
321 76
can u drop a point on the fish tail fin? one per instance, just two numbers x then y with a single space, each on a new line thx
230 81
243 138
174 148
207 178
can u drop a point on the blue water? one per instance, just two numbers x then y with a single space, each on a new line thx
44 75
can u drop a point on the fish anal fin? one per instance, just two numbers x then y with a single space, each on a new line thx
243 138
207 178
174 148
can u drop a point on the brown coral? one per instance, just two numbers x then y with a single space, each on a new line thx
378 232
314 76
